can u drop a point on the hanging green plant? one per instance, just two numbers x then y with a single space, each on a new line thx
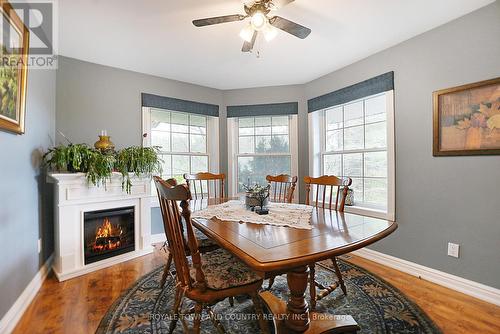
139 161
99 166
73 158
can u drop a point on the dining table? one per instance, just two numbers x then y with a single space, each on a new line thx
270 249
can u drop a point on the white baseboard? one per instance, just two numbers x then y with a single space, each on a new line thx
158 238
14 314
465 286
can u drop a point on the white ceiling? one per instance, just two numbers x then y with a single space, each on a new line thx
157 37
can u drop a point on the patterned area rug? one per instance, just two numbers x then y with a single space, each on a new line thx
376 305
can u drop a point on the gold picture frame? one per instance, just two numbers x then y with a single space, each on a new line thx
13 78
467 119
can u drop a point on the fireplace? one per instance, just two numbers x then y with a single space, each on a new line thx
108 233
80 209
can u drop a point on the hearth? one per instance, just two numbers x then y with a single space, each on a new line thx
108 233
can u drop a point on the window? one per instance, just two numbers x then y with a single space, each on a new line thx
262 145
188 142
357 141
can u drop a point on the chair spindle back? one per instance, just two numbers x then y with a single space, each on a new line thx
282 187
195 180
328 181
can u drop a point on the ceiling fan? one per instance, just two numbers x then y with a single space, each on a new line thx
258 12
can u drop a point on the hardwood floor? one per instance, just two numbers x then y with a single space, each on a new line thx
77 305
452 311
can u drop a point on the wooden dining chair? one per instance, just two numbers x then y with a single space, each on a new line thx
325 185
205 244
204 278
282 187
195 183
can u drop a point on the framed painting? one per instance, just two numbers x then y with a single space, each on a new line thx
467 119
13 70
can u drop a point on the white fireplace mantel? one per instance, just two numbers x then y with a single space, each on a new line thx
73 197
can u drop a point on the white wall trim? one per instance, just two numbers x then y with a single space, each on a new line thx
231 155
158 238
465 286
14 314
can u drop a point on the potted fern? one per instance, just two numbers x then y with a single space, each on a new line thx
138 161
73 158
99 166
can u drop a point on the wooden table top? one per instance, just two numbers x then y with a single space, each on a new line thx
272 248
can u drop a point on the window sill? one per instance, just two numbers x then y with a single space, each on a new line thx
357 210
370 212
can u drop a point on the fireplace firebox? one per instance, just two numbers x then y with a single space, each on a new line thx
108 233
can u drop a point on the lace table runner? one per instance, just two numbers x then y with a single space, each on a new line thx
280 214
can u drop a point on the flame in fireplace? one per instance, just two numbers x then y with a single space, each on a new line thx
108 236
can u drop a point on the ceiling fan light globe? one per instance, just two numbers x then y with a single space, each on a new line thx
258 20
247 33
270 32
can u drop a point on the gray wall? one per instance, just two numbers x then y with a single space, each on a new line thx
92 97
25 211
438 199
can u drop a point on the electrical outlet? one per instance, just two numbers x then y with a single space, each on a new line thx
453 249
39 245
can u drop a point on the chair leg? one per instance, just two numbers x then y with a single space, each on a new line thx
182 318
260 313
271 282
166 271
198 308
215 321
339 275
231 301
175 310
312 286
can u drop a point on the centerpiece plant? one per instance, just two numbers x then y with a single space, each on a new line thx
257 195
99 166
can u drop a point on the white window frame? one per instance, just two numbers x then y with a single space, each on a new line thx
317 144
212 142
233 154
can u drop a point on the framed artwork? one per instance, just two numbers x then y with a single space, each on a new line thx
467 119
13 70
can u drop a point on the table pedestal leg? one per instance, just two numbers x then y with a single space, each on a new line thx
297 318
294 316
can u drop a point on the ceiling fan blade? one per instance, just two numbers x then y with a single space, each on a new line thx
218 19
277 4
248 46
290 27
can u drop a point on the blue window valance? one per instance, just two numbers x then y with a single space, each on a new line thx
169 103
378 84
287 108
